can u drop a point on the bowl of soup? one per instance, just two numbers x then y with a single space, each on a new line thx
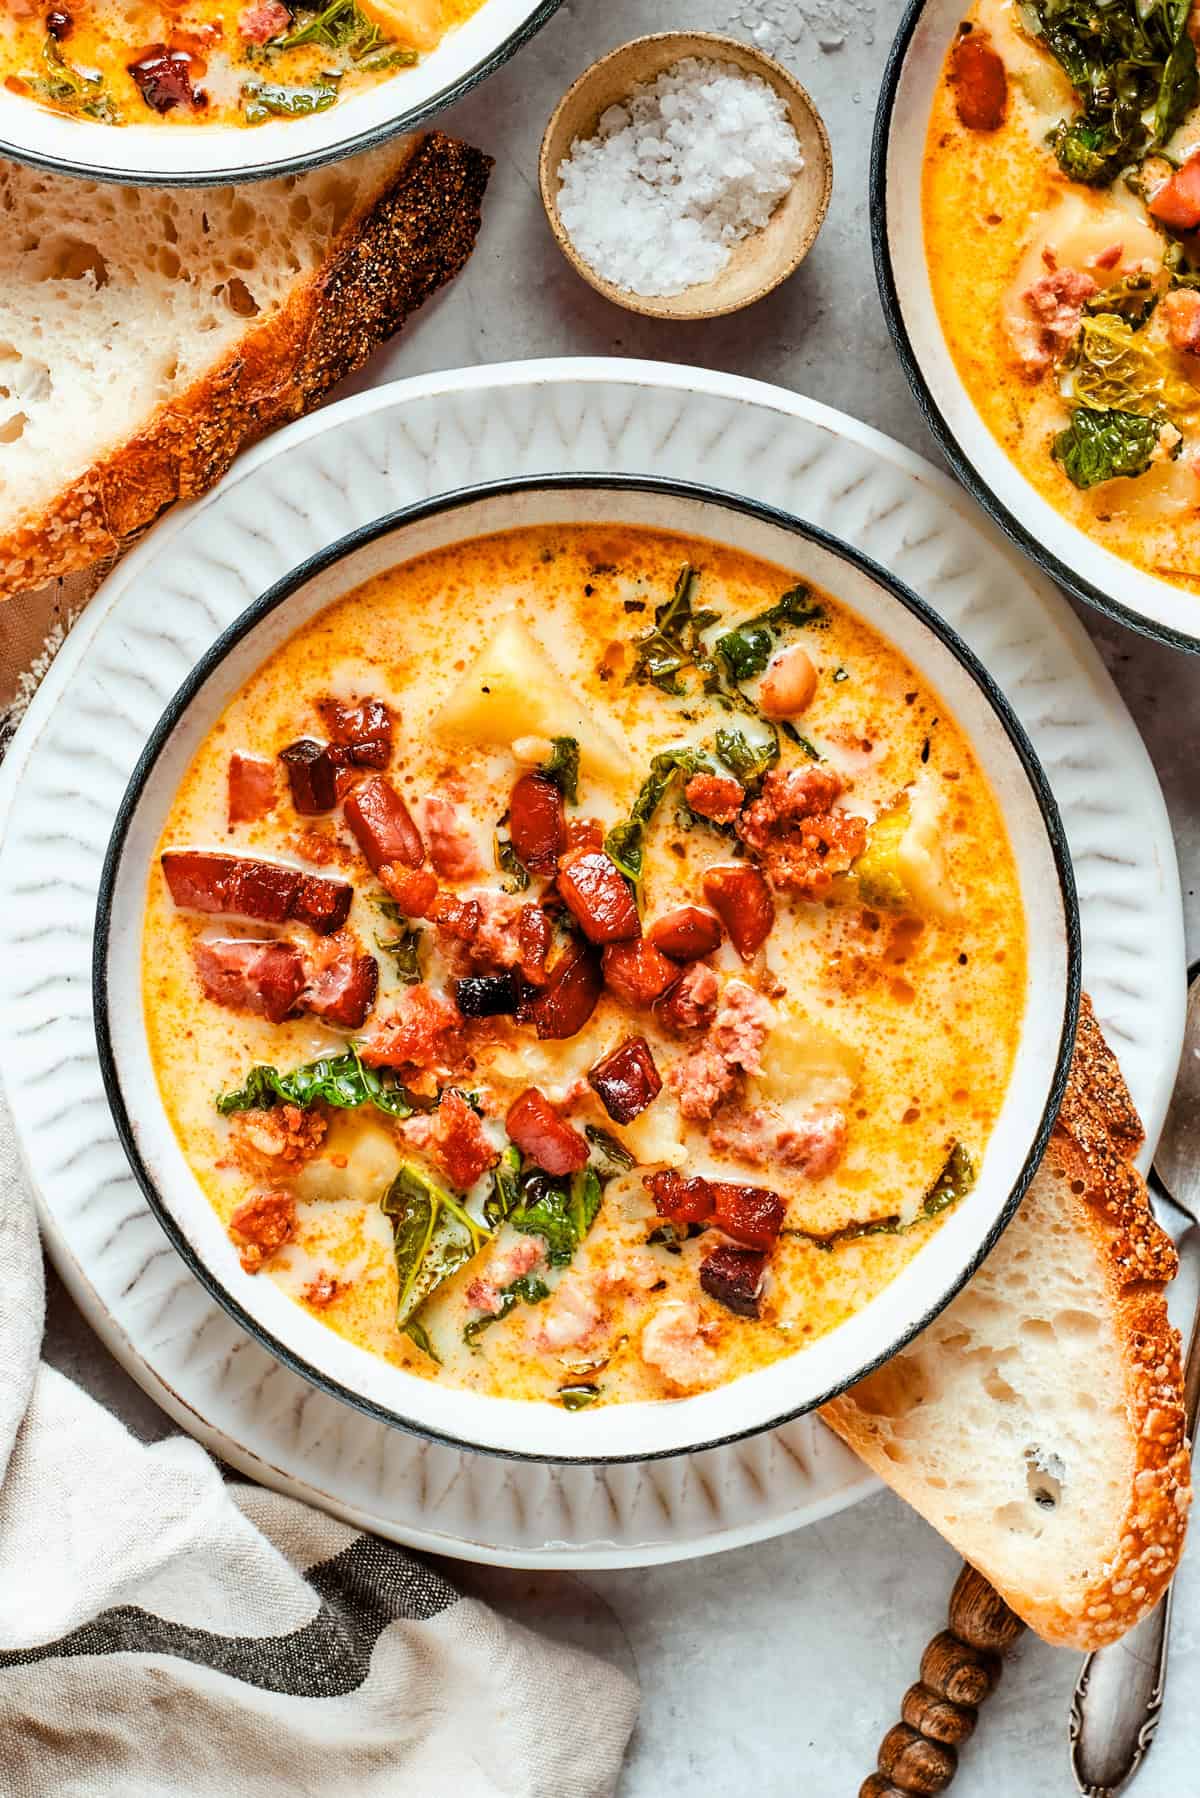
236 90
586 967
1037 256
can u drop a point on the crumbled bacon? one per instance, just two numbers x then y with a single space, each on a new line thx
717 797
804 840
424 1031
451 846
261 1226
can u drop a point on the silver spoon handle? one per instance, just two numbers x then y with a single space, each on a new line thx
1117 1705
1119 1694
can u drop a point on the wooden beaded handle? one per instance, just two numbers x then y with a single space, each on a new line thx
919 1756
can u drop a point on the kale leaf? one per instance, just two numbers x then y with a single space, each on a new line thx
505 1195
625 842
338 1080
563 768
509 862
574 1398
1133 66
747 648
560 1211
405 949
262 100
433 1236
1098 446
528 1289
673 642
614 1153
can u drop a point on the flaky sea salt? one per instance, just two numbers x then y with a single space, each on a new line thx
686 167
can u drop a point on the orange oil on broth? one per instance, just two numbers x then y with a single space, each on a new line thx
931 1013
990 199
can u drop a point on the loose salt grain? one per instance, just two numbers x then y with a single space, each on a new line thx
682 170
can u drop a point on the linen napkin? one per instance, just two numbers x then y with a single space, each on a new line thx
166 1634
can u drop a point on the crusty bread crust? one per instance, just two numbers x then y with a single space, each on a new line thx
389 256
1096 1129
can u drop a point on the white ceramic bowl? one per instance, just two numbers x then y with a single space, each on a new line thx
1083 566
804 1380
164 155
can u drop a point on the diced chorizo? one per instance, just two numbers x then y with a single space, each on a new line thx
717 797
691 1004
164 78
980 82
637 973
734 1277
1177 202
598 896
412 889
312 776
536 824
534 937
261 1226
626 1080
251 788
240 886
454 1137
546 1138
680 1200
742 900
263 978
584 833
383 825
688 933
572 991
362 733
452 848
1182 312
341 988
424 1031
752 1215
455 917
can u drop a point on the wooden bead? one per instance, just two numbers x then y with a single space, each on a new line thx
979 1615
915 1764
876 1786
957 1671
937 1717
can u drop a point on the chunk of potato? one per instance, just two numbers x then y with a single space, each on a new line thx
655 1137
807 1065
514 690
417 24
903 866
372 1162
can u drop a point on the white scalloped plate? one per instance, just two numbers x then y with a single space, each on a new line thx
68 766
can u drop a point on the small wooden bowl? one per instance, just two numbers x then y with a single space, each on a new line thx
761 261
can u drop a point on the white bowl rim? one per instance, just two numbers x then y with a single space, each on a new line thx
947 441
149 172
463 497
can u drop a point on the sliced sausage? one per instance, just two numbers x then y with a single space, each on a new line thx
362 732
637 972
312 776
742 900
383 825
752 1215
680 1200
734 1277
536 824
545 1137
242 886
572 991
598 896
980 82
688 933
626 1080
413 890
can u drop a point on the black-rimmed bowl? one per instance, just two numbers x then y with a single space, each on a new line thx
635 1431
1080 564
161 154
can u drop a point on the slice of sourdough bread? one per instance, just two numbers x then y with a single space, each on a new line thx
147 336
1038 1422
